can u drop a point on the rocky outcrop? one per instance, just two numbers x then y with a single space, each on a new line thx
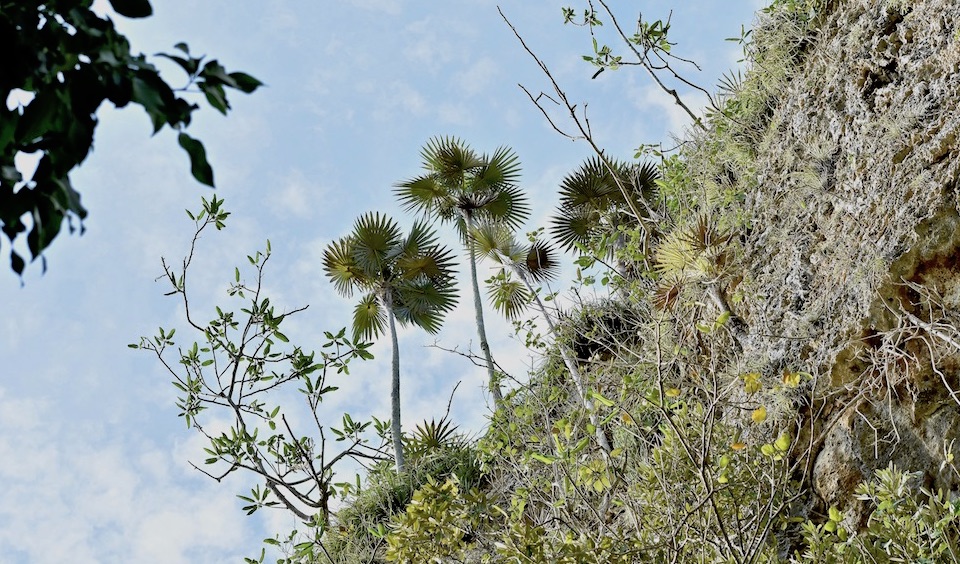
852 260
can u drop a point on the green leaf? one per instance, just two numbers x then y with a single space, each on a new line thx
543 458
132 8
245 82
199 166
600 398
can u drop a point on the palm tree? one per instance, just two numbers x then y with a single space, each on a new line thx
407 279
599 197
463 188
512 290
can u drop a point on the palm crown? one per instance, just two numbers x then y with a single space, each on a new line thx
460 186
592 200
523 265
411 275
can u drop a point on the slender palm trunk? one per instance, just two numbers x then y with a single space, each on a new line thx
571 365
395 388
494 382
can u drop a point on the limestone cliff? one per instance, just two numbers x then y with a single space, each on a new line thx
852 259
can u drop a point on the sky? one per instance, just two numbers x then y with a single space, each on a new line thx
93 458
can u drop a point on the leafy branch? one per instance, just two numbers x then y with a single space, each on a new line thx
241 358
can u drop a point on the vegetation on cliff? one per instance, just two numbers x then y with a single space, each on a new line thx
772 375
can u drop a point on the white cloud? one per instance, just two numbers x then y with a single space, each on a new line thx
459 114
73 496
393 100
478 77
298 196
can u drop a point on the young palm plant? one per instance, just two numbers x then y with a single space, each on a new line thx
512 290
696 254
409 279
460 187
599 197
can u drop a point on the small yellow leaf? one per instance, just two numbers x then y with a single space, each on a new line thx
759 415
767 450
672 392
738 446
835 514
626 418
724 317
751 382
724 461
791 379
722 478
783 442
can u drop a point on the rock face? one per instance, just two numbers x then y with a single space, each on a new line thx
852 264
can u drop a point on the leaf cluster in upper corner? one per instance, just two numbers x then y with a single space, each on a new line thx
62 61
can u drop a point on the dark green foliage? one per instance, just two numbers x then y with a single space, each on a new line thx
461 186
71 61
413 272
593 200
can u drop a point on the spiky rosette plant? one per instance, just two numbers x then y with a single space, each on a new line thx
464 188
409 279
696 255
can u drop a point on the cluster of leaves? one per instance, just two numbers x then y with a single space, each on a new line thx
63 61
907 523
438 524
436 452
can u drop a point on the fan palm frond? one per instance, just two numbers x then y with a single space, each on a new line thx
509 296
594 198
449 158
457 182
694 251
574 226
643 180
507 205
424 303
541 264
668 292
369 318
420 237
341 268
422 194
502 168
491 241
433 264
587 187
376 240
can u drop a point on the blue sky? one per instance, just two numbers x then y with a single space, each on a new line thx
93 457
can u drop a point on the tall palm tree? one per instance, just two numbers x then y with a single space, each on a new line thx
512 290
409 279
460 187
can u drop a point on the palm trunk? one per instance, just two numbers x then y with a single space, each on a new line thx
571 365
494 382
395 388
